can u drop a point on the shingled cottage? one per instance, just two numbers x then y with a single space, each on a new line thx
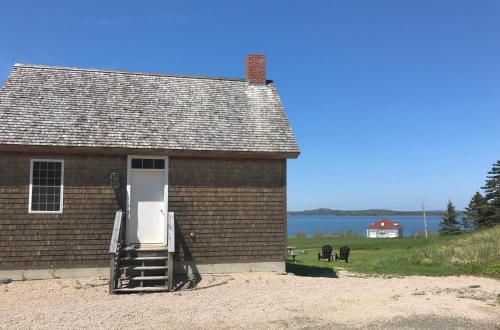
161 171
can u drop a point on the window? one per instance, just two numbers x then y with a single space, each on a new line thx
151 164
46 186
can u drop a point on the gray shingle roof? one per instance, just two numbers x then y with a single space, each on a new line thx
53 106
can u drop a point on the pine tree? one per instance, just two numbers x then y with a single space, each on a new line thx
476 214
449 224
492 196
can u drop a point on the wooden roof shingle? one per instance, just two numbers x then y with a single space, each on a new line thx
68 107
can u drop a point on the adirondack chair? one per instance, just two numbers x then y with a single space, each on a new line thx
326 253
344 254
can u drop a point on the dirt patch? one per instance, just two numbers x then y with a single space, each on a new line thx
256 300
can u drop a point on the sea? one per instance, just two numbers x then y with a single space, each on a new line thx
311 224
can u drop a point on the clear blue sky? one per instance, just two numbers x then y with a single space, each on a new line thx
391 101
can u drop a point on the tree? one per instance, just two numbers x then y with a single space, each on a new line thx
475 215
449 224
492 196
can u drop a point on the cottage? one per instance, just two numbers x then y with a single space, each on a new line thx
384 228
161 171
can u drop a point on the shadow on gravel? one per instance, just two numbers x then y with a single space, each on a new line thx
310 271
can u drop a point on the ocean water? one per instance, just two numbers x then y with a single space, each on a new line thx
336 224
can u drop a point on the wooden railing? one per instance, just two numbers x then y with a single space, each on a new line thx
171 248
115 246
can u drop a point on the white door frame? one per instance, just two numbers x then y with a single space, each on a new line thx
165 192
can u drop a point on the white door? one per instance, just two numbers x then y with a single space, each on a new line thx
147 206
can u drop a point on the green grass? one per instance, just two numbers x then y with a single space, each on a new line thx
475 253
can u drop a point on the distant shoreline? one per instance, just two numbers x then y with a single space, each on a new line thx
371 212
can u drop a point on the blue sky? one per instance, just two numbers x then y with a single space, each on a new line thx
391 101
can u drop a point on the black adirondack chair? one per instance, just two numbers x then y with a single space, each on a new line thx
326 253
344 254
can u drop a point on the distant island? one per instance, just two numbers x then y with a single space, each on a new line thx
371 212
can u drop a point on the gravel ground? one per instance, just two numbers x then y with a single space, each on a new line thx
259 301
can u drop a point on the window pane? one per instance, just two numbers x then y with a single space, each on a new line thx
136 163
35 198
147 163
46 186
159 164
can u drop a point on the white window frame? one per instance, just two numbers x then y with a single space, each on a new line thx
61 201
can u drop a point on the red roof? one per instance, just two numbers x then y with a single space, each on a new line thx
384 224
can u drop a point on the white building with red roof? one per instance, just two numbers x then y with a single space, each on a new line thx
384 228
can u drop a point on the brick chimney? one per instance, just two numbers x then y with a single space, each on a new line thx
256 69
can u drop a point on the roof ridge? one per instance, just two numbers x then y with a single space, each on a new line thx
37 66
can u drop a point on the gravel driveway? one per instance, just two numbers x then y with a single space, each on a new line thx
260 301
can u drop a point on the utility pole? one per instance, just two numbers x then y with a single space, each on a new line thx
425 218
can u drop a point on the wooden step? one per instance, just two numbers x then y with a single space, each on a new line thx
144 267
145 258
150 268
160 248
149 278
142 289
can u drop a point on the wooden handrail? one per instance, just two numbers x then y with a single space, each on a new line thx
117 239
117 232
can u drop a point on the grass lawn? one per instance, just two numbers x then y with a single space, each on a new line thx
476 253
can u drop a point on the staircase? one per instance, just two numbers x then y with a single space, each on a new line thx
140 268
143 269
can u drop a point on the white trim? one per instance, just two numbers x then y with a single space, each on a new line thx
129 180
165 191
61 197
165 201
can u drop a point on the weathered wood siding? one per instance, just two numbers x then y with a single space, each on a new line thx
235 207
79 236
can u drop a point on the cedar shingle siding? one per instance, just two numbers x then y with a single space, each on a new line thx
235 207
79 236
